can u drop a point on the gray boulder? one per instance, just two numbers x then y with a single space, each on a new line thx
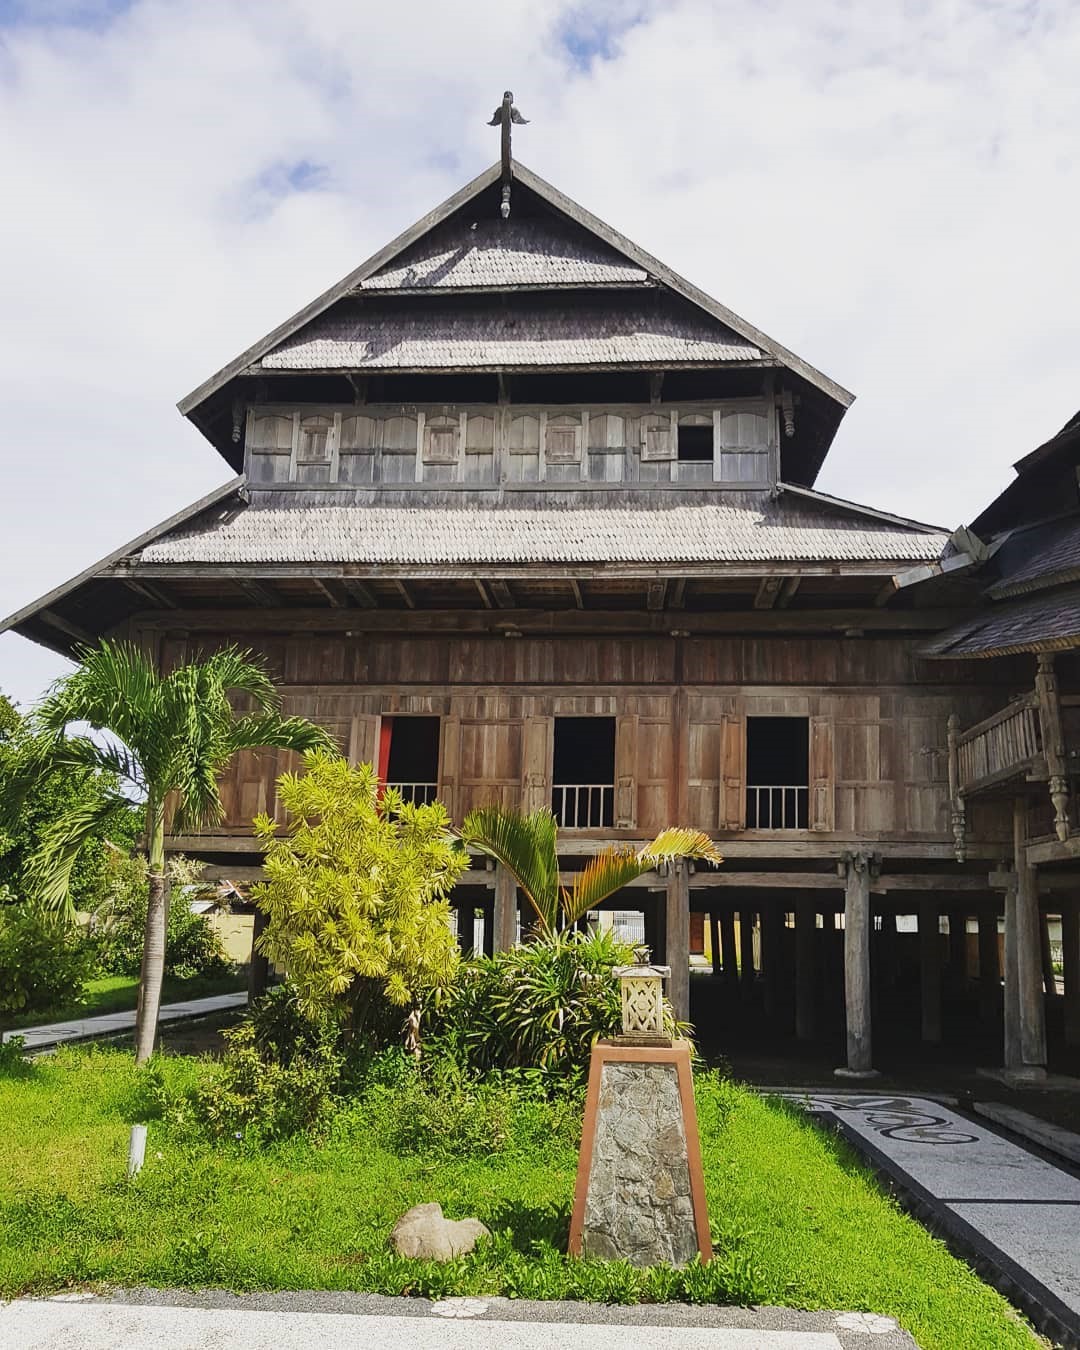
424 1234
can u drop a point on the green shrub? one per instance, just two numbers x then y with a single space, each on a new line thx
541 1005
43 960
248 1096
192 947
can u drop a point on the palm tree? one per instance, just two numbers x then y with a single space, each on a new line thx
527 846
170 738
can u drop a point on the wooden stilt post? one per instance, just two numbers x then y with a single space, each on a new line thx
930 969
505 909
714 941
1070 956
1045 957
857 923
989 964
805 974
746 950
1028 961
727 945
259 973
957 948
1013 1059
677 931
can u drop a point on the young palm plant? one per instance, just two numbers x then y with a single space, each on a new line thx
170 737
527 846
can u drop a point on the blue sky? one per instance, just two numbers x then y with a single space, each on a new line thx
888 189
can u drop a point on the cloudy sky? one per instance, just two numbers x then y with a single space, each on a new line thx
889 189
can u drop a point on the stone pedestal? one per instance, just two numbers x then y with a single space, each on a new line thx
640 1193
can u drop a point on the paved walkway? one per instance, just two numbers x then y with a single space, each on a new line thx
1013 1211
114 1024
170 1320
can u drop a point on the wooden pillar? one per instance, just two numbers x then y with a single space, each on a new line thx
930 969
1070 956
1053 739
727 944
805 974
770 956
505 909
1046 959
957 948
1013 1060
1028 960
857 924
677 933
746 950
487 919
989 964
714 941
259 973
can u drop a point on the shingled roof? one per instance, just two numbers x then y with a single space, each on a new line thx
487 253
720 527
364 337
1043 623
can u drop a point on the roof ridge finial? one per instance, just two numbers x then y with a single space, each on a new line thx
505 114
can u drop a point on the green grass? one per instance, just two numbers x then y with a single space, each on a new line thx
796 1220
118 993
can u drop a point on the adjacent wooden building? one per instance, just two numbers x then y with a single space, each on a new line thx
523 516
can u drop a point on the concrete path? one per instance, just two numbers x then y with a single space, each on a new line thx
1011 1210
113 1024
171 1320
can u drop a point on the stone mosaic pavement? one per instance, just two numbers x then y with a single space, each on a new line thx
1011 1208
117 1023
171 1320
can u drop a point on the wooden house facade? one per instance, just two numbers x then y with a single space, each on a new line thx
523 516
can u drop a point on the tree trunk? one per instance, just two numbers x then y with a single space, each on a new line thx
153 961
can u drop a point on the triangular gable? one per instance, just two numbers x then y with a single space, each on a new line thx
489 254
572 212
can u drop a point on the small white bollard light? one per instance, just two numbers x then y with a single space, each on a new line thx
642 989
136 1149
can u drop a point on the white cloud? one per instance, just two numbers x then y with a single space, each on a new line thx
889 190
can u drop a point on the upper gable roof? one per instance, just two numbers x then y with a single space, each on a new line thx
496 254
570 211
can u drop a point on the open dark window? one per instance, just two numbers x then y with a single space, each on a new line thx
583 772
695 444
409 756
777 773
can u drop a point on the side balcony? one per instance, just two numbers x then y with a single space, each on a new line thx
1030 748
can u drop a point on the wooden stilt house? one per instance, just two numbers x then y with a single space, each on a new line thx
522 515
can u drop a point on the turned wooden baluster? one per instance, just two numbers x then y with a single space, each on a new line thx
1053 739
956 800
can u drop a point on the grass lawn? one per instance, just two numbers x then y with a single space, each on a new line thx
117 993
796 1219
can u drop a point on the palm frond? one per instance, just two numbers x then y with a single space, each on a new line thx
525 845
672 844
601 877
242 671
115 686
260 731
50 867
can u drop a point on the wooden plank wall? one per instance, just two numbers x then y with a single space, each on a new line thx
877 719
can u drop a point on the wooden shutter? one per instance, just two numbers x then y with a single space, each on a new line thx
449 763
364 739
626 737
822 774
536 763
732 813
658 437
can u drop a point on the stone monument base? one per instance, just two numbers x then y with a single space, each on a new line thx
640 1193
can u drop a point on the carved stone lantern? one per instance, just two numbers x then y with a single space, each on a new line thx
642 989
640 1193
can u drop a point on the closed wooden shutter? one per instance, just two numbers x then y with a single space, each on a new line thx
364 739
732 814
822 774
449 764
536 763
626 738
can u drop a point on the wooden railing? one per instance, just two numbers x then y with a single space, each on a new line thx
1000 747
777 807
420 794
583 806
